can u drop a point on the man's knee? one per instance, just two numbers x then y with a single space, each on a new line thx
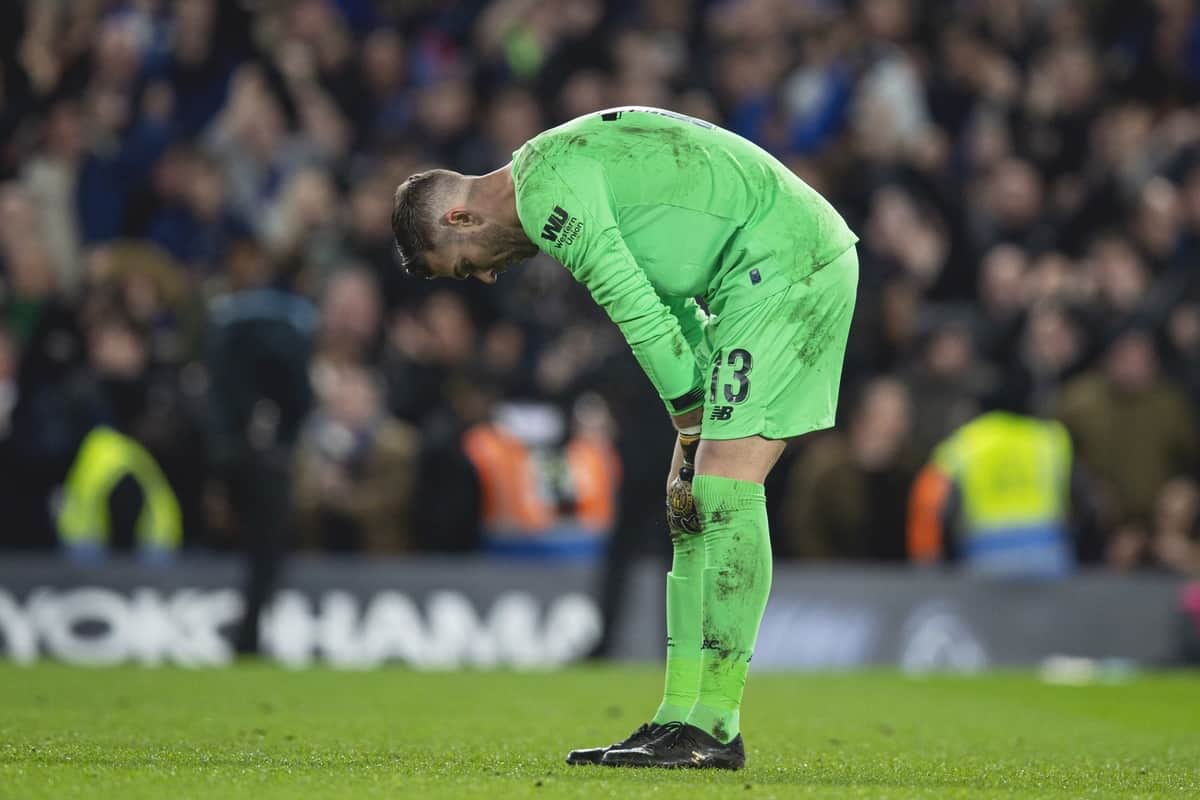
747 459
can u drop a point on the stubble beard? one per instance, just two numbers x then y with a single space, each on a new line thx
510 245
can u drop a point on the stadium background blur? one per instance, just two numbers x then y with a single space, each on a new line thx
1024 176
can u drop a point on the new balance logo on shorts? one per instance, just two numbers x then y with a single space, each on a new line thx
721 413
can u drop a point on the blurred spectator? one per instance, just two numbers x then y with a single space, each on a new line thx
115 495
369 236
1051 351
1176 541
42 326
1183 337
946 382
385 108
907 236
995 498
125 140
251 141
1009 207
1001 301
548 490
1022 175
52 177
846 494
427 350
32 282
443 117
1134 430
151 287
513 117
349 329
1158 222
1120 276
194 223
355 468
204 41
260 341
303 223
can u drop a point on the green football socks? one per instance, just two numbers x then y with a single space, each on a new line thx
734 585
683 629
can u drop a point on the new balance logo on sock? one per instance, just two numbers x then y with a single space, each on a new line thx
721 413
554 224
710 644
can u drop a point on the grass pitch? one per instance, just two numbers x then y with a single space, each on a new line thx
261 732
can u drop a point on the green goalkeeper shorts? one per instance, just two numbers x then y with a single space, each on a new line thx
775 367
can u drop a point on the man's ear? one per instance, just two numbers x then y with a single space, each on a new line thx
460 216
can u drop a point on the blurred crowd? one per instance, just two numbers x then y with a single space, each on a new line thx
1024 176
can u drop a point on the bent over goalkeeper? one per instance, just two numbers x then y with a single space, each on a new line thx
651 210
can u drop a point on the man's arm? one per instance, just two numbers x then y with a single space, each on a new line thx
574 195
692 320
618 284
929 502
926 508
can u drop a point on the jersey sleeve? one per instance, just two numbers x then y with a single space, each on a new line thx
567 210
692 323
692 319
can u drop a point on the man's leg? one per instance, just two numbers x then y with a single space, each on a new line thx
262 501
733 584
683 640
684 583
775 371
737 573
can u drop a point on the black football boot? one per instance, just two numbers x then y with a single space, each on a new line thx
592 755
680 745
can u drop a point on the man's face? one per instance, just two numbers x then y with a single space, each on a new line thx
1132 363
482 252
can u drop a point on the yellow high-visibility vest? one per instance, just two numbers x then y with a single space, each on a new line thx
105 457
1011 471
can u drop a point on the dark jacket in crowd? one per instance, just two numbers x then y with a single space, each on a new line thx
1131 442
258 350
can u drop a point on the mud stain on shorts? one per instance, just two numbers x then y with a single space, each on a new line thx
820 331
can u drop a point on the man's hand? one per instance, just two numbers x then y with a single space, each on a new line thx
681 506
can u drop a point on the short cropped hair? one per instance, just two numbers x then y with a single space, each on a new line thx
415 218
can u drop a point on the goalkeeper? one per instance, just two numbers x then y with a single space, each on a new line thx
650 210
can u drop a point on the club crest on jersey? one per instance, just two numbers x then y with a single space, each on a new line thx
561 228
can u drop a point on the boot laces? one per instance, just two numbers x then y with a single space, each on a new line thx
676 734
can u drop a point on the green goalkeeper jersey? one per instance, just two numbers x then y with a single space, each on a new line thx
650 209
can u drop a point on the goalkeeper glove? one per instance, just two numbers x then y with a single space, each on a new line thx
681 506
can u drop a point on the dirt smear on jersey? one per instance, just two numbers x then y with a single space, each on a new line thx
682 150
677 346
